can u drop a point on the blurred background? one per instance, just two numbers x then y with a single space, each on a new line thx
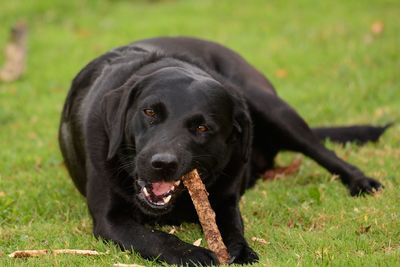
336 62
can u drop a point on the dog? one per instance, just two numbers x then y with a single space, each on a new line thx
139 117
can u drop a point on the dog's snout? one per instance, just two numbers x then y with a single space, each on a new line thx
164 162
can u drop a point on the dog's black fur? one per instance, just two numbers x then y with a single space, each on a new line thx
140 116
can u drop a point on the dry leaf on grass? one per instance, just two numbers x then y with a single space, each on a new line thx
363 230
281 172
197 243
172 231
377 27
259 240
291 223
281 73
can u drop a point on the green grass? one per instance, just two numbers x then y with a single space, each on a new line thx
338 72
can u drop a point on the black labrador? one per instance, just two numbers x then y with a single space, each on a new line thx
139 117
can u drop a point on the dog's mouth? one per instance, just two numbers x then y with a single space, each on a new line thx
159 194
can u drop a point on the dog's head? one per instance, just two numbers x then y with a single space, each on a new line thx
168 119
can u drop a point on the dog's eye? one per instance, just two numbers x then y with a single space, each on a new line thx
201 129
149 112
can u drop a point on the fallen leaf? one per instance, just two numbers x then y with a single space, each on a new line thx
281 172
32 136
281 73
334 177
360 253
363 230
259 240
83 33
172 231
2 194
38 162
377 27
197 243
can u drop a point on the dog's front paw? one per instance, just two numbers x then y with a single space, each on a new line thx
242 254
192 256
364 185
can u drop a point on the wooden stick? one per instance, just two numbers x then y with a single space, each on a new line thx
15 54
28 253
199 196
43 252
83 252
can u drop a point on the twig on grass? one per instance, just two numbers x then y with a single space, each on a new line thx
43 252
15 54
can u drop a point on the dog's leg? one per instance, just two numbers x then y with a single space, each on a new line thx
281 125
114 220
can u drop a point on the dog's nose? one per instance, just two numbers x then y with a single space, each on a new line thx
164 162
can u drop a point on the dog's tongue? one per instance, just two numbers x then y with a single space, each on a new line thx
161 188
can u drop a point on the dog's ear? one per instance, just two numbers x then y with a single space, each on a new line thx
242 133
243 127
114 108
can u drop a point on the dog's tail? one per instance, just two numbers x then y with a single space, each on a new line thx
359 134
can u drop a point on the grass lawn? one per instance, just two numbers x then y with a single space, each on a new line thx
336 62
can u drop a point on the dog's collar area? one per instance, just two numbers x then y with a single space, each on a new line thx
158 194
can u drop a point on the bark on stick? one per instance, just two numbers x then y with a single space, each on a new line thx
199 196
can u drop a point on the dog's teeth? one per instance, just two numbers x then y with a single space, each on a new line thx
172 188
167 199
145 192
177 183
